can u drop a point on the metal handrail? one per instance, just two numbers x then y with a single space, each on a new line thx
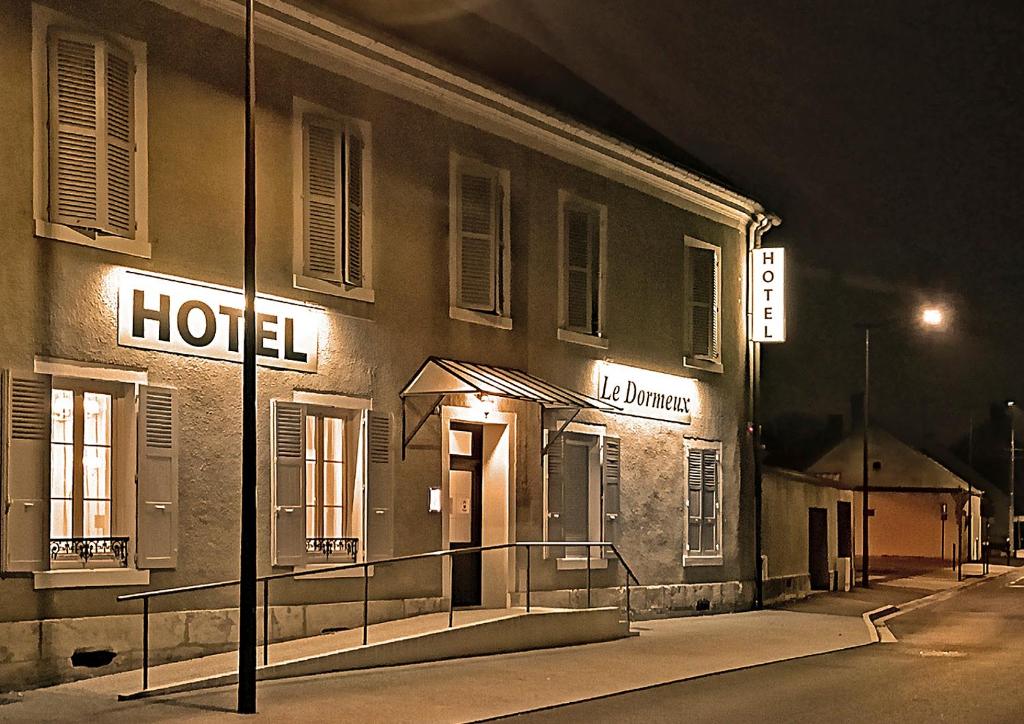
365 566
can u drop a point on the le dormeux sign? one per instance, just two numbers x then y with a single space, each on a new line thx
644 393
172 315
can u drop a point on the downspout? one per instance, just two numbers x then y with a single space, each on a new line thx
759 224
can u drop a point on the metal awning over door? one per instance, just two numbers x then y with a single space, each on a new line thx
438 377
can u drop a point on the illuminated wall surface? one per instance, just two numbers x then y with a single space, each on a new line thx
60 300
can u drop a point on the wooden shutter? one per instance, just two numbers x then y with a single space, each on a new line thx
477 241
702 293
119 138
26 442
157 493
322 199
354 210
709 502
380 512
75 68
579 273
288 482
554 466
694 490
610 478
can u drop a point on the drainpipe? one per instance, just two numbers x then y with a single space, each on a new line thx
759 224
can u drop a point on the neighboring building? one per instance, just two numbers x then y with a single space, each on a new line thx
920 507
808 534
407 218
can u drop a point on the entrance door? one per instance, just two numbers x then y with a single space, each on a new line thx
817 547
465 490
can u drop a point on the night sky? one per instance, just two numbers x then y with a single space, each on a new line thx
887 135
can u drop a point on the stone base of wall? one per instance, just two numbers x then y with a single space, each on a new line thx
649 602
39 653
787 588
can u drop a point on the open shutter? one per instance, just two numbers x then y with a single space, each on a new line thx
120 142
694 489
477 240
554 466
75 68
701 288
578 271
709 503
288 476
26 430
157 494
610 489
379 509
354 210
322 199
716 336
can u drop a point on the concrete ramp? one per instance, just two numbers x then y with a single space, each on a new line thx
480 633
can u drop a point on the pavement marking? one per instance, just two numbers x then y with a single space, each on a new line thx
1018 583
943 654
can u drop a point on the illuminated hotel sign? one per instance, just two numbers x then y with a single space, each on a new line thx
169 315
643 393
769 302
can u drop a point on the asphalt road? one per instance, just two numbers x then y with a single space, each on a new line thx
957 660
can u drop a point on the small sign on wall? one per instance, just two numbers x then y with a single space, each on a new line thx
171 315
768 269
645 393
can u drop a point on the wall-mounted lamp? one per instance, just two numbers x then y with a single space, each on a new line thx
434 500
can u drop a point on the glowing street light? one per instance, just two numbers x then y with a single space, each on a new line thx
932 316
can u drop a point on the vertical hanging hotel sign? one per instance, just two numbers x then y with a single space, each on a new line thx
173 315
768 269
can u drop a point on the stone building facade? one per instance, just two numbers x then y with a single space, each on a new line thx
407 218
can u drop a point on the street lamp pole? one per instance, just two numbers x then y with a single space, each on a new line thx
1011 544
864 493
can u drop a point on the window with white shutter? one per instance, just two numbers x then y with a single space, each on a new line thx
479 243
702 282
323 484
332 203
582 250
89 106
703 502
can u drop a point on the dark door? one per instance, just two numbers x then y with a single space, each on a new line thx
465 488
817 547
844 529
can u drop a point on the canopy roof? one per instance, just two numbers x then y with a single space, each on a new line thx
439 376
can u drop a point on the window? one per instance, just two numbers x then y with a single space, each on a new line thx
83 495
89 107
332 484
479 259
702 282
703 502
581 489
332 246
582 235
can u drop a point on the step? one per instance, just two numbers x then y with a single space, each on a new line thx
418 639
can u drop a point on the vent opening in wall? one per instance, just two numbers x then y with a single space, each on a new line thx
703 604
92 658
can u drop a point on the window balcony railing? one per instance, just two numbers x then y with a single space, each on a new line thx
329 547
88 549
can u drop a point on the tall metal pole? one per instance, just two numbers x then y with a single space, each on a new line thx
1013 454
247 558
864 493
758 482
970 492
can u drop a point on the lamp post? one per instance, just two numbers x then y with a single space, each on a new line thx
933 318
1012 543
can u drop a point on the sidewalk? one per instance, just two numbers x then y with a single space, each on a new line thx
479 688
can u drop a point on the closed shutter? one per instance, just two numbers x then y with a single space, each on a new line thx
477 241
380 511
157 494
610 478
554 467
709 503
702 292
288 482
354 210
579 273
120 143
322 199
75 130
694 490
26 438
